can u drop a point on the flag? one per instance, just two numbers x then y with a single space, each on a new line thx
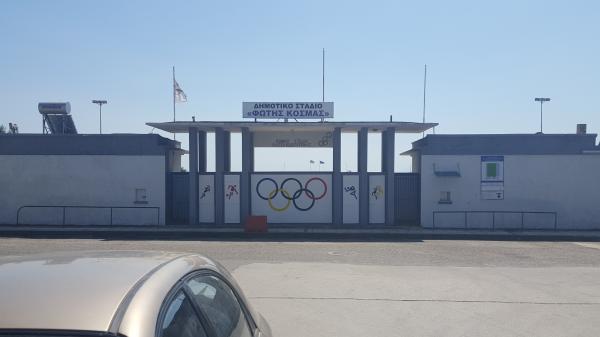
180 96
321 162
312 161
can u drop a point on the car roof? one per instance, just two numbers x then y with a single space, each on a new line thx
72 291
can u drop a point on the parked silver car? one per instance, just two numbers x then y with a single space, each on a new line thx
132 294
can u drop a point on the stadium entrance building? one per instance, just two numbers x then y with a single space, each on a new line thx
336 197
481 181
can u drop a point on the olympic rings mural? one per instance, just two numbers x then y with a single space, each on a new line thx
283 192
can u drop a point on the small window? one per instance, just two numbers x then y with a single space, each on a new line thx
220 305
180 319
445 197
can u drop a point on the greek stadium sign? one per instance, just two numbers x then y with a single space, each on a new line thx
291 110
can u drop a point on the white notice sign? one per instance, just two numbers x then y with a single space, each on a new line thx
291 110
492 177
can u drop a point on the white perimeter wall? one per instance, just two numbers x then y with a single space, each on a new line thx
566 184
81 180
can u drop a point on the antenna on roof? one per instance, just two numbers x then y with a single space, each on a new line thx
323 83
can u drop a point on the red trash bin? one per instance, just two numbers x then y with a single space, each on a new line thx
256 224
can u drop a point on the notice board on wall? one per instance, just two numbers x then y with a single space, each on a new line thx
492 177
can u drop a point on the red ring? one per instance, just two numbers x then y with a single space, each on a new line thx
324 186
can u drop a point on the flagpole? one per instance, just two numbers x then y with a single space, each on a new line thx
424 95
323 83
174 99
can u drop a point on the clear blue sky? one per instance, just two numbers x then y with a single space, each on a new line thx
486 61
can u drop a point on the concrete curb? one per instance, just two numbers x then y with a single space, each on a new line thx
291 233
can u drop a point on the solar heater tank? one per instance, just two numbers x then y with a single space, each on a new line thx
60 108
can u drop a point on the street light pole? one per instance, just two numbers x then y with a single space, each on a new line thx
100 102
542 100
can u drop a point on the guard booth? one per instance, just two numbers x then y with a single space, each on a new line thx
303 198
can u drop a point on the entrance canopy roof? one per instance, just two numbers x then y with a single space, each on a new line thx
184 126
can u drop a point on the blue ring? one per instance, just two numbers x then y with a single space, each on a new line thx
294 195
308 194
258 184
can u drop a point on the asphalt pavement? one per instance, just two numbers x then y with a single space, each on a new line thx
399 288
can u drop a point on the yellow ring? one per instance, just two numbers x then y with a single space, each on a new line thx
273 193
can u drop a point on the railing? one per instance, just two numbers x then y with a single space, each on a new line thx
465 213
64 211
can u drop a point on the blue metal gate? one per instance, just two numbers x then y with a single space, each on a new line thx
408 198
178 202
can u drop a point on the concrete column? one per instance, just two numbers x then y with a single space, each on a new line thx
337 192
383 151
227 149
247 169
388 138
202 151
220 153
193 176
363 177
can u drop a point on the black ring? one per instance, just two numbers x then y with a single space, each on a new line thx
308 193
258 184
282 188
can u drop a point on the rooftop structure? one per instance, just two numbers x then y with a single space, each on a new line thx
505 144
184 127
72 144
